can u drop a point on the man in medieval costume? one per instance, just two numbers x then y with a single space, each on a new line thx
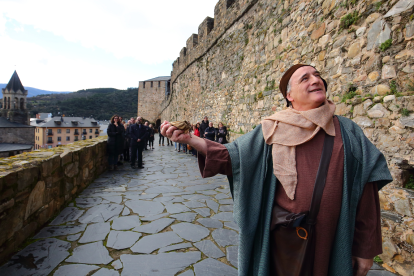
277 163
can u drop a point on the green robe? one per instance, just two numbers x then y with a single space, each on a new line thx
253 187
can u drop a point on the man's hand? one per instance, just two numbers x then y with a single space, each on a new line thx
361 266
174 134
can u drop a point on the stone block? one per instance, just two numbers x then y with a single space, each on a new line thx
388 72
66 157
6 205
35 199
192 42
49 165
316 34
205 28
27 177
380 89
72 169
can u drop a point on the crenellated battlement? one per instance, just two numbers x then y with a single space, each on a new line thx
226 12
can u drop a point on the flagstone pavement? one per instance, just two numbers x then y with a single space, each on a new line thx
161 220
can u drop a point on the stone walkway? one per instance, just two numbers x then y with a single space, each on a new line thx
161 220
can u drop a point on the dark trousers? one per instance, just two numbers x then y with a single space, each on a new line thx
112 159
136 148
126 154
161 138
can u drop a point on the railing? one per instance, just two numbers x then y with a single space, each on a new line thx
96 131
50 141
76 132
84 132
49 133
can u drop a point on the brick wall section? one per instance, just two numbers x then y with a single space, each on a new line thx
36 186
232 75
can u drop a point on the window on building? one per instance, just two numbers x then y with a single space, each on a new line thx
90 130
67 138
49 147
68 130
151 84
159 84
59 138
90 137
59 131
96 136
76 138
143 85
49 139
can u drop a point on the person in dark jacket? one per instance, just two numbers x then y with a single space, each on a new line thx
151 136
204 124
161 137
121 143
114 131
138 134
127 142
146 124
221 135
210 132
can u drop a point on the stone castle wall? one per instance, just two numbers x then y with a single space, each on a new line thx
231 69
35 186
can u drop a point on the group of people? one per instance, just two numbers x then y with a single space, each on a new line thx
205 130
127 140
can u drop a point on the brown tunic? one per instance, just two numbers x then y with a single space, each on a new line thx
367 239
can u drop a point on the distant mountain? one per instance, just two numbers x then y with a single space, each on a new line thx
34 91
101 103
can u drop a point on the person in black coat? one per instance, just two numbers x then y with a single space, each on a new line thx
114 131
204 124
121 143
210 132
221 134
151 137
126 143
139 134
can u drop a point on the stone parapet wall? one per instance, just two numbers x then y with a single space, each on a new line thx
35 186
231 71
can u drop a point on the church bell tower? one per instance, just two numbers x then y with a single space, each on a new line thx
14 102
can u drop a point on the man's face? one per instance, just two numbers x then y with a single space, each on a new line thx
132 120
138 120
307 89
146 123
205 119
210 124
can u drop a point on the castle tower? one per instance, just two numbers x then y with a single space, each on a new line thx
14 101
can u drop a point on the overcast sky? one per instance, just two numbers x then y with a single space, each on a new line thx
71 45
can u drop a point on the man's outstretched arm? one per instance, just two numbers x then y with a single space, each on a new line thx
176 135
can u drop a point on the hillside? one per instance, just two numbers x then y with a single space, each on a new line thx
31 91
101 103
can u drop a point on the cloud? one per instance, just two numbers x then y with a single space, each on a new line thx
147 31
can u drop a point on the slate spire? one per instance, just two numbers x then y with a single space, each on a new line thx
15 84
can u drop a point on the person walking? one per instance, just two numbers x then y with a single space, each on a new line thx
221 136
210 132
273 172
161 136
151 137
138 134
114 131
127 142
204 124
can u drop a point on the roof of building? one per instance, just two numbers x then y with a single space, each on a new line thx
80 122
4 147
6 123
15 84
165 78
